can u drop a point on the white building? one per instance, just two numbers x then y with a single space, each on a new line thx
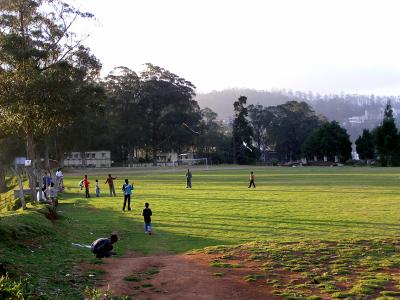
90 159
166 157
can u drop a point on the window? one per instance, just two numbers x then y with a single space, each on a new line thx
87 155
93 155
103 155
76 155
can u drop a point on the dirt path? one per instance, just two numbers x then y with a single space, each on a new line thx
177 277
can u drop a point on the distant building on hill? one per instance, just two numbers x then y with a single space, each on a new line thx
89 159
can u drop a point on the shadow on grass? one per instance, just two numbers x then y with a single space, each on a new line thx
47 257
274 220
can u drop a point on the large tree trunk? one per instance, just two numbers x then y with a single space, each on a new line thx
154 151
3 185
46 155
60 153
31 170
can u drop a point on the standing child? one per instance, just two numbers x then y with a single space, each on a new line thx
252 178
52 194
86 183
110 181
97 188
147 218
127 189
188 179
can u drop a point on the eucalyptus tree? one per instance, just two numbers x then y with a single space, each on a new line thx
165 102
46 74
242 133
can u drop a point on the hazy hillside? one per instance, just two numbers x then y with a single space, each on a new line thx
353 111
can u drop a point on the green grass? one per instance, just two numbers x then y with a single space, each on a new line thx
288 205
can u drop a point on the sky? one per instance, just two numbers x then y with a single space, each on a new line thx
323 46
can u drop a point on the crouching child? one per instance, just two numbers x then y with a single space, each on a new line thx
102 247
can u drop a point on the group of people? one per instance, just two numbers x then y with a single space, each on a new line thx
127 189
103 247
50 188
85 183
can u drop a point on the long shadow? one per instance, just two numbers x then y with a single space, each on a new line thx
274 220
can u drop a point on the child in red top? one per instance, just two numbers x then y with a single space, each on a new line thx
86 185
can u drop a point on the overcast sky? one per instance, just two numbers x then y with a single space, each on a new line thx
323 46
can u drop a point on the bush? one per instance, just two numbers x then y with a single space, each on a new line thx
356 163
17 289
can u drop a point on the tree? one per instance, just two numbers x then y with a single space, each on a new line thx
45 72
165 102
214 141
241 133
329 140
291 125
123 112
260 121
387 139
365 145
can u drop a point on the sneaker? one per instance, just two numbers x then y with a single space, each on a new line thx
149 232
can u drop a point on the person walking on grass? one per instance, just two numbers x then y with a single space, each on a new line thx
86 184
127 189
110 181
147 218
188 179
97 188
252 178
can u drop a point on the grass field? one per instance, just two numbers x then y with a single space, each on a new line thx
288 205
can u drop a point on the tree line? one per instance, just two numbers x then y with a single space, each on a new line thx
291 131
382 143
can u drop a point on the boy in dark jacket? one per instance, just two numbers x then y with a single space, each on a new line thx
147 218
102 247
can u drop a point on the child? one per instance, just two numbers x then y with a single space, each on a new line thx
188 179
102 247
147 218
60 180
86 183
252 178
81 184
52 194
97 188
127 189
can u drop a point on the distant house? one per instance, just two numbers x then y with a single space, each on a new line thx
165 157
89 159
188 155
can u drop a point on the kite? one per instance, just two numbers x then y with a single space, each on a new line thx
245 145
186 126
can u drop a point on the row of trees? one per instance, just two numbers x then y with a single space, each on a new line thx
381 143
291 130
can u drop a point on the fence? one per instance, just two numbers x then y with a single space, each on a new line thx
6 201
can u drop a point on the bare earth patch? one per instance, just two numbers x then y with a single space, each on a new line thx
305 270
186 276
